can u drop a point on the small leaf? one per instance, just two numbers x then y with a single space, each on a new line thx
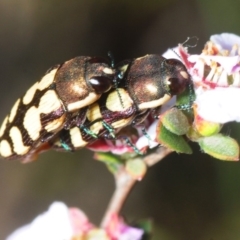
220 147
136 168
112 161
193 135
175 121
171 140
107 157
204 127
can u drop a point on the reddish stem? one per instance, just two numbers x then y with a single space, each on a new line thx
124 183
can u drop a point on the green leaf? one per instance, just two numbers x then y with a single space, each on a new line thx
175 121
171 140
113 162
206 128
107 157
193 135
136 168
220 147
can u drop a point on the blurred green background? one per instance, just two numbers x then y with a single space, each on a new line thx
188 197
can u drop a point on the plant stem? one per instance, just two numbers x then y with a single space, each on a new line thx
124 183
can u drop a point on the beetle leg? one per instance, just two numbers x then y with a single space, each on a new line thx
129 143
110 129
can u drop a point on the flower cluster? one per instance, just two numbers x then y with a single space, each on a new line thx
216 76
63 223
216 80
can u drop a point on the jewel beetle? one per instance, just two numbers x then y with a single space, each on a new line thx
48 105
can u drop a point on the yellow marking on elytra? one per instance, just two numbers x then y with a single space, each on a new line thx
14 111
154 103
96 127
3 126
122 123
44 83
94 112
47 80
5 148
49 102
184 74
55 124
91 98
28 97
114 103
76 138
18 146
124 68
32 123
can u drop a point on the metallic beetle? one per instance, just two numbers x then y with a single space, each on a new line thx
48 106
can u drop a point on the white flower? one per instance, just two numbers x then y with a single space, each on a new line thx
219 105
63 223
216 77
51 225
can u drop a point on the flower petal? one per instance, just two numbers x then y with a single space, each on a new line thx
225 40
227 63
79 221
51 225
219 105
172 53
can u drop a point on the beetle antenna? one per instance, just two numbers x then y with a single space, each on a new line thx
129 143
111 58
119 76
189 39
184 44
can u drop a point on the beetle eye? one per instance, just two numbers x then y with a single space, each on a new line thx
100 84
177 85
174 63
178 76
